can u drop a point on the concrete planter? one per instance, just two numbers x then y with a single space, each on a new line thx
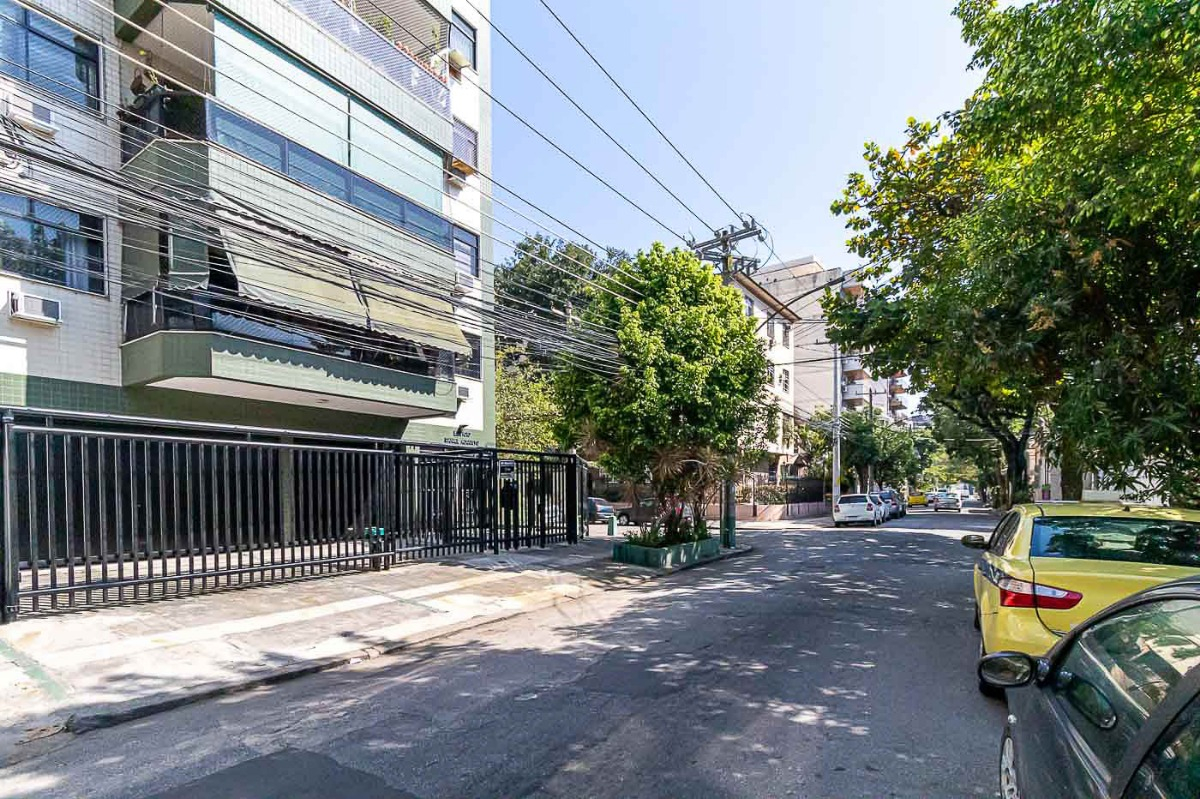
667 557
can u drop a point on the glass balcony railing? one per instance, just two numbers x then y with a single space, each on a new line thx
183 115
413 75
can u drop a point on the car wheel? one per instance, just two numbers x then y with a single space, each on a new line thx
623 520
1008 768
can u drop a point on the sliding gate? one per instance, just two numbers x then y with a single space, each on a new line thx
98 513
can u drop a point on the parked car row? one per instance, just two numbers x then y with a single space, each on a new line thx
1089 618
873 509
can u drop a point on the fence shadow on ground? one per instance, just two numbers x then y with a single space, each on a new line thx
707 680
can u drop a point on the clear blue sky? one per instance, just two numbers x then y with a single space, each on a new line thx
771 99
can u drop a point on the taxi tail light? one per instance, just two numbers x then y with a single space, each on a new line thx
837 508
1016 593
870 507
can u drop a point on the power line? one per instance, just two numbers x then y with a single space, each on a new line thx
589 117
533 130
341 136
645 116
179 160
184 212
388 134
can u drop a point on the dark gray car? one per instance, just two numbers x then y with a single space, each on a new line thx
1113 710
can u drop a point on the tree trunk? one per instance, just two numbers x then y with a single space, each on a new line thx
1017 471
1071 472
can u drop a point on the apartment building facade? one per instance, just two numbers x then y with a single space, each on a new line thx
266 212
775 324
862 390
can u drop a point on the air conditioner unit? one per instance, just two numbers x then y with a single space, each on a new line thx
464 392
30 308
458 59
34 117
464 283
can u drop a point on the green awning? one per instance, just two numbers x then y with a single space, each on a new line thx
298 278
293 278
413 316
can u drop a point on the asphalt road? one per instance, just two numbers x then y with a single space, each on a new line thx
827 663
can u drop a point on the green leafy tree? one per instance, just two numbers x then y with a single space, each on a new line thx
1037 249
543 286
689 401
526 408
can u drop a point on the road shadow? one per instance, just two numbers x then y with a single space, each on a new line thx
826 663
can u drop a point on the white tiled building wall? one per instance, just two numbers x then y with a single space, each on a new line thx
86 346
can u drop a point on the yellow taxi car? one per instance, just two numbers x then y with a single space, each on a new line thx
1048 566
918 499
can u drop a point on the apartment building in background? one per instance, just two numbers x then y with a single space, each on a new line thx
267 212
776 324
863 390
799 284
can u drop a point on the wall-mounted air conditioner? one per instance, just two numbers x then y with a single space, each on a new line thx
34 117
30 308
464 283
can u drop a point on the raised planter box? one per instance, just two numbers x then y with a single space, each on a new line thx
667 557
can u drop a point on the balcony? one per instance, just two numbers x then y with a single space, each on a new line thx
190 120
204 342
896 387
855 393
387 43
896 402
852 367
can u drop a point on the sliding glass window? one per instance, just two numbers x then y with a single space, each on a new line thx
49 55
50 243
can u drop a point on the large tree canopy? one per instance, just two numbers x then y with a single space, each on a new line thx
1038 247
691 375
526 409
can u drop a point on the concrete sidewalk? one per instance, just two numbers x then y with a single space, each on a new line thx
78 671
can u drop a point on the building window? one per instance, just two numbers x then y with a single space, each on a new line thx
471 366
786 334
462 37
466 252
44 242
785 380
274 151
749 307
771 372
48 55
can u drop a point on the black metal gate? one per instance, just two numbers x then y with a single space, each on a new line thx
116 509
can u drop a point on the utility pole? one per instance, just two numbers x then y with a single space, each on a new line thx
837 425
871 425
721 251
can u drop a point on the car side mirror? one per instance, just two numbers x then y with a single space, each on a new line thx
1007 669
974 541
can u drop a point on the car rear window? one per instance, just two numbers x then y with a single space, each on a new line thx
853 499
1170 543
885 494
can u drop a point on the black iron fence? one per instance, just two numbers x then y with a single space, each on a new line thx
115 510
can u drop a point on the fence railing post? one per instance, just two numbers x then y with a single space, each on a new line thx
572 498
9 579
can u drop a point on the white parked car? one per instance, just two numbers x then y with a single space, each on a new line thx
857 509
947 501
